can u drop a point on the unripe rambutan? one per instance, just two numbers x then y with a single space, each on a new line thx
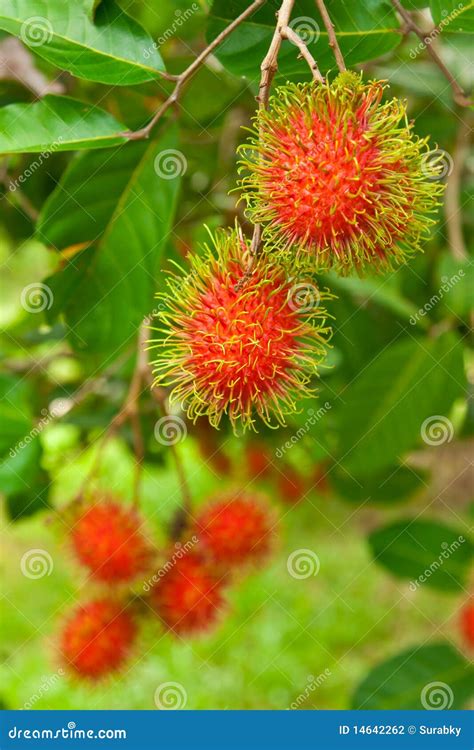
97 638
467 623
188 595
108 540
337 178
236 527
239 338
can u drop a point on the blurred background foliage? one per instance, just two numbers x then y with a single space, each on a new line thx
358 481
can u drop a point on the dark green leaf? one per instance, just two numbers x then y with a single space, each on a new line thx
365 31
422 677
112 49
386 406
456 283
124 216
452 16
394 484
426 552
56 123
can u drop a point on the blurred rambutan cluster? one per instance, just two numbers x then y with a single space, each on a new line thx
183 586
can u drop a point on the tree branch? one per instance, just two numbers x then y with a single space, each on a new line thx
333 43
182 79
293 37
459 95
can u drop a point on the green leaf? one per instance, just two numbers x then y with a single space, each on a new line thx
364 30
124 215
56 123
427 552
392 485
452 16
386 406
456 282
380 291
90 7
113 49
422 677
22 479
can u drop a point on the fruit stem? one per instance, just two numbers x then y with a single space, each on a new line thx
459 95
189 72
333 43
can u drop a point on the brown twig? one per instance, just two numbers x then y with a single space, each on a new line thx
333 43
293 37
459 95
182 79
269 64
268 68
452 208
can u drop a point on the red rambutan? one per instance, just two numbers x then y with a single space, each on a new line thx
239 338
337 177
236 527
108 540
467 623
97 638
188 594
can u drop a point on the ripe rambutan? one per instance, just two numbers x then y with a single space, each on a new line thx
467 623
108 540
97 638
188 594
337 177
236 527
240 338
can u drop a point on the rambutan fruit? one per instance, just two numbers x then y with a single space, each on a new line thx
97 638
238 337
188 594
467 623
236 527
337 178
108 540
